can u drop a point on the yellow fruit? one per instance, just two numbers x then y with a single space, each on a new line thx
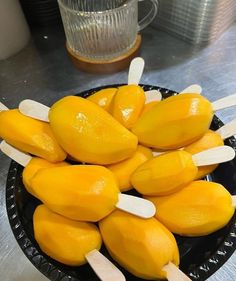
124 169
103 98
33 167
90 134
164 174
142 246
148 106
127 104
30 135
79 192
174 122
198 209
64 240
209 140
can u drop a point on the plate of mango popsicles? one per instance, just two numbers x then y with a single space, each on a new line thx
122 182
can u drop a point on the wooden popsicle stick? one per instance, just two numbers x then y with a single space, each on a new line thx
174 273
34 110
228 130
20 157
135 71
153 95
135 205
105 270
192 89
214 155
233 200
224 102
3 107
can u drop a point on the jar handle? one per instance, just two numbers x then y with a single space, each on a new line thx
144 22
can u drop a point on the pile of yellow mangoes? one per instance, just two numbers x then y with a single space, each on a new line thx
114 132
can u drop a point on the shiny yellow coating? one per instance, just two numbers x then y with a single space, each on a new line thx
62 239
148 106
103 98
198 209
164 174
142 246
79 192
90 134
174 122
33 167
124 169
127 104
30 135
209 140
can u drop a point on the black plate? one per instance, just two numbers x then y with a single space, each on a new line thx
200 256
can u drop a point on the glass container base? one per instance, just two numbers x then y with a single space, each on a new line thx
105 66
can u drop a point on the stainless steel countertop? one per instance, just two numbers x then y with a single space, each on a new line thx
42 71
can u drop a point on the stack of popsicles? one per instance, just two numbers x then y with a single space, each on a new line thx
113 133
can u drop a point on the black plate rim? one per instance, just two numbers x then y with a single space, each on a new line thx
205 270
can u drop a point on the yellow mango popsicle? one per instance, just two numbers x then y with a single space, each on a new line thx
198 209
62 239
30 135
90 134
78 192
164 174
143 247
127 104
174 122
171 171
